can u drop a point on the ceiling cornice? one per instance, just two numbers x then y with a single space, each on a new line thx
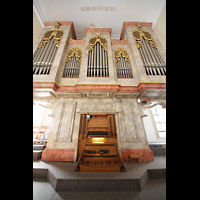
38 12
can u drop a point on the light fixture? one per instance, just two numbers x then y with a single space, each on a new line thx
98 140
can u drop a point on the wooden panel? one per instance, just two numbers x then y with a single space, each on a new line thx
100 168
99 159
90 159
100 122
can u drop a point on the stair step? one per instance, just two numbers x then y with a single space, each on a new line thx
37 154
37 151
38 147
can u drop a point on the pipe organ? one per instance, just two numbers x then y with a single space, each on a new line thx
70 81
152 60
73 61
45 53
98 58
122 61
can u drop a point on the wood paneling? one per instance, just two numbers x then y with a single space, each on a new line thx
97 152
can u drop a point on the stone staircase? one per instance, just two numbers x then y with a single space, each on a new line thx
38 147
62 177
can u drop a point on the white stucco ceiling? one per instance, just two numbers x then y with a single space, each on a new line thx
104 13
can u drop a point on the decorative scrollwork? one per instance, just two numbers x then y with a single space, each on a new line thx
71 52
121 51
99 39
138 34
57 33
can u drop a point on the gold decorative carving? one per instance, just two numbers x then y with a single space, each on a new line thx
138 34
56 33
121 51
71 52
99 39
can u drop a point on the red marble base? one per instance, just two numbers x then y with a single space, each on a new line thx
146 154
58 155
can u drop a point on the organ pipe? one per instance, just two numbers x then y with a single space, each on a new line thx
122 61
98 62
72 65
152 60
98 58
45 53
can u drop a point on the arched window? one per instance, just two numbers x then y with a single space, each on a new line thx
72 65
98 58
46 51
152 60
123 66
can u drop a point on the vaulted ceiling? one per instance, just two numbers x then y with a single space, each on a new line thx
104 13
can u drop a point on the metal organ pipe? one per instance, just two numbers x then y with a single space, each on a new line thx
152 60
72 68
97 59
92 63
123 68
103 68
100 67
98 62
43 58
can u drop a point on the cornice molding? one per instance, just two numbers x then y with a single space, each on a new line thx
38 12
99 87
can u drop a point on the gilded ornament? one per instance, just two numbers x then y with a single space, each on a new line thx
56 33
138 34
121 51
99 39
71 52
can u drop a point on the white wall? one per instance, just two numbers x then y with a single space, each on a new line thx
160 28
37 27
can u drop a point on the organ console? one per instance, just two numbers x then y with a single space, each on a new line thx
98 147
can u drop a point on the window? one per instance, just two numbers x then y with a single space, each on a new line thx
159 115
38 112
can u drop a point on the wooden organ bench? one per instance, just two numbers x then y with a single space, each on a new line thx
98 147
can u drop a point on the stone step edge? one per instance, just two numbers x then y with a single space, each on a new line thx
55 182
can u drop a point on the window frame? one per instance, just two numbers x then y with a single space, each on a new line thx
154 124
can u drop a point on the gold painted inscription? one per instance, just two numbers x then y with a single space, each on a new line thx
98 8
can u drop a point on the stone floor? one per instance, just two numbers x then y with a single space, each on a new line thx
155 189
63 170
57 180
